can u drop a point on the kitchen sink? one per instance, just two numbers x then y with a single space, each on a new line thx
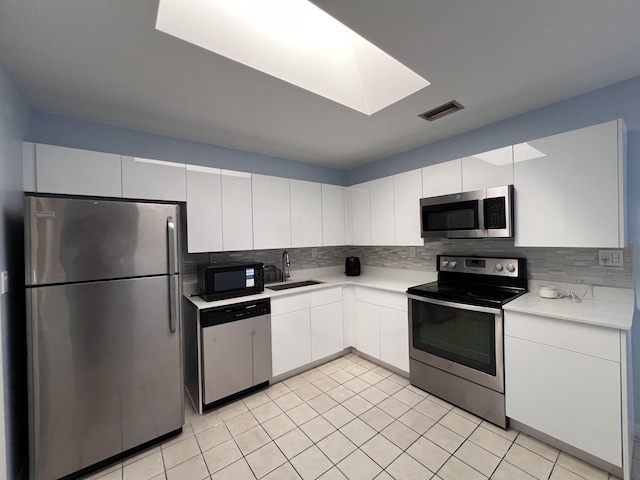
286 286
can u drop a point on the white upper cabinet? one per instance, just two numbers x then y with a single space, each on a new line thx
77 172
237 211
382 212
407 191
333 217
306 213
361 214
442 178
569 189
204 209
153 179
271 212
488 169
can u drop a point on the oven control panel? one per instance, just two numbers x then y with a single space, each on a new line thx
505 267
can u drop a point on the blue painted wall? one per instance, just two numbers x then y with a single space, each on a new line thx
72 132
13 121
620 100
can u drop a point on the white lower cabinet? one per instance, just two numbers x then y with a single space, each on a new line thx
305 327
563 379
368 328
290 340
326 330
394 337
381 326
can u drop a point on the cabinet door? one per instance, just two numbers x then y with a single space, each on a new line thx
488 169
78 172
382 212
394 338
407 191
442 178
306 213
368 328
271 212
570 396
290 340
204 209
153 179
326 330
333 218
361 214
569 189
237 212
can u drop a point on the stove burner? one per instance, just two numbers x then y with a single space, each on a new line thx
487 295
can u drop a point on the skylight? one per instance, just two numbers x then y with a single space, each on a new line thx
297 42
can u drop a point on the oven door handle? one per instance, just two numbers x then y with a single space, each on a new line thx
461 306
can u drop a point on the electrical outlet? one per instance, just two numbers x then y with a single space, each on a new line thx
314 252
610 258
412 252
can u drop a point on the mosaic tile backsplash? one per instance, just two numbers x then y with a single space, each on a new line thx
566 265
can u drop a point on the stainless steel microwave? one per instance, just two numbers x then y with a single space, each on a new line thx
476 214
228 280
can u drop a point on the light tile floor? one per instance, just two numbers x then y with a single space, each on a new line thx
352 419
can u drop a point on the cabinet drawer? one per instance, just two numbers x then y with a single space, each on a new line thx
290 303
325 296
383 298
601 342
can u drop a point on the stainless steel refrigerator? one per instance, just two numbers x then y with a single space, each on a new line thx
104 329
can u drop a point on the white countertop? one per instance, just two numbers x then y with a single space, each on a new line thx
390 279
604 306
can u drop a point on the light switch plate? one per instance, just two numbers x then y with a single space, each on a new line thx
4 283
611 258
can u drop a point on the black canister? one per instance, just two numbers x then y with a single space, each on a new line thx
352 266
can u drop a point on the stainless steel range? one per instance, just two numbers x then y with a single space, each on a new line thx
456 343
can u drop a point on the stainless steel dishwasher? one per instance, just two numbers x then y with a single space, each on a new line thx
235 351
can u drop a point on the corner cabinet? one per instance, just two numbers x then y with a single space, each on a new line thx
570 188
305 327
382 326
568 380
333 215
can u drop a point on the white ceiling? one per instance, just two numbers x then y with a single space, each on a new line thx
103 60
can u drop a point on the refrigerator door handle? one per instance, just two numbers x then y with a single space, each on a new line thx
173 278
173 245
173 302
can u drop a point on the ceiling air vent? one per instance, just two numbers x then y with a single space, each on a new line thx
441 111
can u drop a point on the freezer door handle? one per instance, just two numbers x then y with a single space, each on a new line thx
173 302
173 246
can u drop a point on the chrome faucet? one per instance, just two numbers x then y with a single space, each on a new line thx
285 266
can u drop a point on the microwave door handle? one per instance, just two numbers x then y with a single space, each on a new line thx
481 210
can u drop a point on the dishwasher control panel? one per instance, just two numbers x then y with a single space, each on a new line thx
236 311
